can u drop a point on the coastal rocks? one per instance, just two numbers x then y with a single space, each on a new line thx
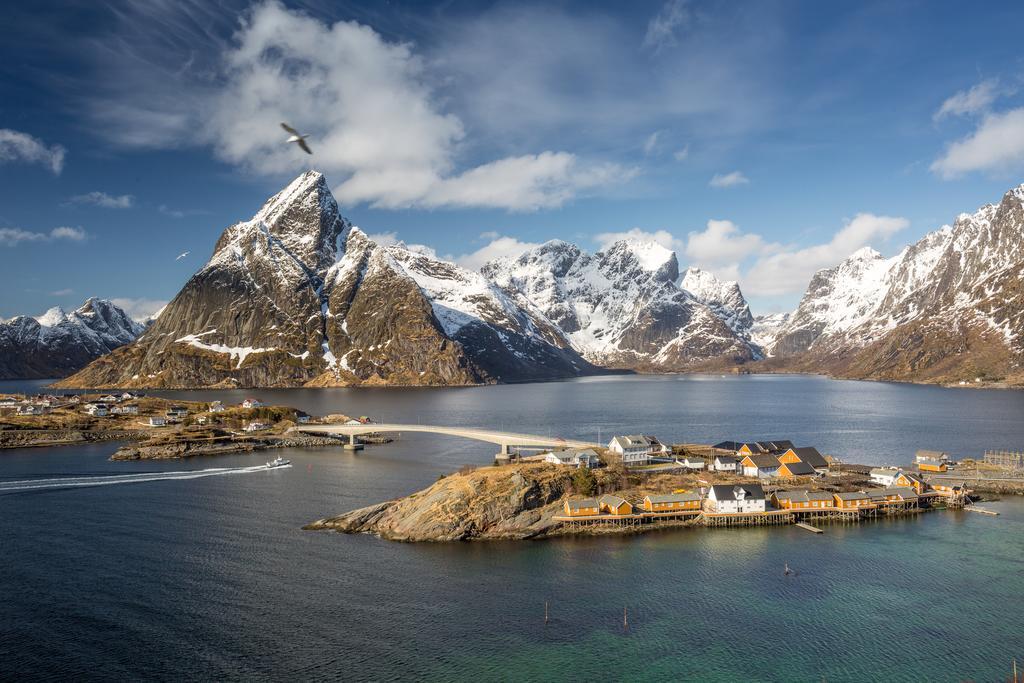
484 504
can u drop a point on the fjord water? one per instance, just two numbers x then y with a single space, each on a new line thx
212 577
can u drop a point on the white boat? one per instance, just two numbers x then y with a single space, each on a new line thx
278 462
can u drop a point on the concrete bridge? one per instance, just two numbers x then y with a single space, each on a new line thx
506 440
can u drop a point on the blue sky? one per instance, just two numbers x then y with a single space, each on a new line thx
760 140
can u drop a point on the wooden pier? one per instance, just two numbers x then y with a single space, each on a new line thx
808 527
972 508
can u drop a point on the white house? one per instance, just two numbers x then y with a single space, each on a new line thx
691 463
216 407
256 426
96 409
583 457
252 403
177 411
127 409
32 409
725 463
634 449
155 421
884 476
735 498
760 465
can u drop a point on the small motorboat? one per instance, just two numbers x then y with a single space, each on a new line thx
278 462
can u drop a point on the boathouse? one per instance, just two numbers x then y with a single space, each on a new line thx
614 505
910 480
855 500
672 502
583 507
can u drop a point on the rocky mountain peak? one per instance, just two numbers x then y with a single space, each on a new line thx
641 258
721 296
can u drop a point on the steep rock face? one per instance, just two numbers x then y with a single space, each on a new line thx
621 307
948 307
276 306
723 297
58 343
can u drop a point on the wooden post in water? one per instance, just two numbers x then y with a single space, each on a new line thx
625 620
545 611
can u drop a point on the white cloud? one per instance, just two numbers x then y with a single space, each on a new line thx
125 201
682 154
721 243
385 238
728 179
62 292
139 309
788 270
661 30
18 146
496 248
651 143
10 237
977 99
662 237
373 120
996 144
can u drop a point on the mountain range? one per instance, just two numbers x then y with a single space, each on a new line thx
297 295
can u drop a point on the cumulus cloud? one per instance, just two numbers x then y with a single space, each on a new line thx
996 144
124 201
139 309
972 101
682 154
373 120
788 270
10 237
498 247
733 179
721 242
18 146
661 29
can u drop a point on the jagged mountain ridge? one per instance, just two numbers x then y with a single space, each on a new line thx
298 296
948 307
624 307
58 343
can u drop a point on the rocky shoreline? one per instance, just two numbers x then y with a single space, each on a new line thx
188 449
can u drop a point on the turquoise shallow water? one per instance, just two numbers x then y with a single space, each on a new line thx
212 577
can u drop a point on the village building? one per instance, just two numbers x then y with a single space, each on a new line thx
821 499
155 421
855 500
672 502
582 508
691 462
177 412
252 403
795 469
805 454
724 463
931 465
256 426
892 495
302 418
761 465
634 449
884 476
125 409
96 409
33 409
574 457
911 481
947 487
789 500
217 407
735 498
202 419
614 505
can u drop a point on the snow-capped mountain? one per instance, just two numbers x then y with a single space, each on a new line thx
622 307
765 329
949 306
297 295
58 343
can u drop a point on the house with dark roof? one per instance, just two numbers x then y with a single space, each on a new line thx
735 498
910 480
795 469
635 449
884 475
742 448
583 507
614 505
947 487
724 463
854 500
805 454
759 465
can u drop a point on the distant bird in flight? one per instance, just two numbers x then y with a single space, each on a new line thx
296 138
181 256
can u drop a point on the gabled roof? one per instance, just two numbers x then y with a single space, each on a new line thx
763 460
673 497
799 469
852 495
799 495
933 455
911 476
726 459
885 471
904 492
613 501
632 441
728 491
811 456
582 503
819 495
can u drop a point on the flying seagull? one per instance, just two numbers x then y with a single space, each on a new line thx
181 256
297 138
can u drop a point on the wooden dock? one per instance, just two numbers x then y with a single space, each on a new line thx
972 508
808 527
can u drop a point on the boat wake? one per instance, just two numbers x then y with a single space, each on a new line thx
109 480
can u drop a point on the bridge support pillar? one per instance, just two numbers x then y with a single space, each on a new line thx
352 444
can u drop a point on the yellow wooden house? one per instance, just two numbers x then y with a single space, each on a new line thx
584 507
614 505
856 500
672 502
